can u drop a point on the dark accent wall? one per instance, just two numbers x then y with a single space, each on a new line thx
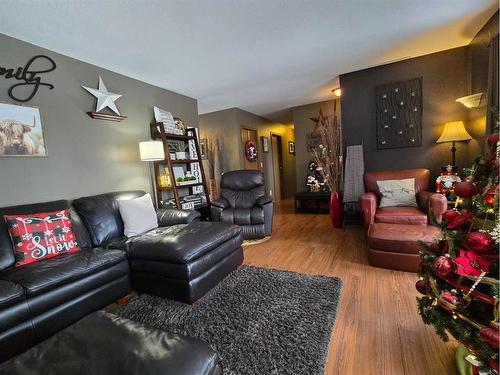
479 55
444 79
85 156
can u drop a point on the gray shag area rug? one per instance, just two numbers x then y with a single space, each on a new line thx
260 321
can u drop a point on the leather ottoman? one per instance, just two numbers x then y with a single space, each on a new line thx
103 343
184 261
395 246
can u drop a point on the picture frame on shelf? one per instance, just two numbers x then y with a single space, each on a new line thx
265 144
21 131
173 125
165 181
179 125
291 147
204 149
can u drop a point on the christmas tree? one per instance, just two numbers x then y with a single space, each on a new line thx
459 271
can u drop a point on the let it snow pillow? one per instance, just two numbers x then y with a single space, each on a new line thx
138 215
40 236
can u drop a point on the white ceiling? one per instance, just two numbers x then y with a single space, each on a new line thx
259 55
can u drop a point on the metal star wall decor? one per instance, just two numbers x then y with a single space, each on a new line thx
104 99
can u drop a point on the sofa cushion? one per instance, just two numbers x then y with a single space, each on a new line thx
101 215
398 238
421 176
401 215
103 343
187 271
43 276
10 293
41 235
397 193
181 243
138 215
243 216
7 258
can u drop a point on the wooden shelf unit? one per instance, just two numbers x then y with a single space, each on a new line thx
158 132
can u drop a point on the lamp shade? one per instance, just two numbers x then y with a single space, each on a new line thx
454 131
151 150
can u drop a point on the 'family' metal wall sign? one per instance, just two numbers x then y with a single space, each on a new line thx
29 76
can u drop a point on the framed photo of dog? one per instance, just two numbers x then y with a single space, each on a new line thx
21 132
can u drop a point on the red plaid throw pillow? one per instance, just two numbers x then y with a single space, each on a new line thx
41 236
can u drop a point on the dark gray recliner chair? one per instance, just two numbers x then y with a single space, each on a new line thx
244 202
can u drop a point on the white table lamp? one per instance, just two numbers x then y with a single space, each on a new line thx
152 151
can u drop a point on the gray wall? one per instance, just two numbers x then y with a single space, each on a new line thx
304 125
85 156
445 78
226 126
223 125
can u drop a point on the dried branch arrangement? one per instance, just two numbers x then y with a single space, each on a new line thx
328 155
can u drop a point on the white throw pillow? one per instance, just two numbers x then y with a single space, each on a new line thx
397 193
138 215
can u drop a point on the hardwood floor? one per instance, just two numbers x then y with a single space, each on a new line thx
378 329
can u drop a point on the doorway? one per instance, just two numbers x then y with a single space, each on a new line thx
249 135
277 166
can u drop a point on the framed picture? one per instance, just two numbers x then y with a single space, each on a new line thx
291 147
204 149
21 131
265 144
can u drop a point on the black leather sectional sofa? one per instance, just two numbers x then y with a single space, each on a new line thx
182 259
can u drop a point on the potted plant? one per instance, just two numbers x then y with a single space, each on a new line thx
328 157
180 151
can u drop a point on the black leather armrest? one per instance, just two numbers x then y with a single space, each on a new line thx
220 203
264 200
170 216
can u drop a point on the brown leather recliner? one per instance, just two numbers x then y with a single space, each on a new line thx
426 200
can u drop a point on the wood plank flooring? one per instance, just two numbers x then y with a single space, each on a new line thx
378 329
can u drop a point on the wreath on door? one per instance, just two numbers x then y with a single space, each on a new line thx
250 151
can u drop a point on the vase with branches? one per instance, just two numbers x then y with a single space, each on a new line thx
329 157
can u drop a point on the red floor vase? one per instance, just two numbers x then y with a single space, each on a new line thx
336 209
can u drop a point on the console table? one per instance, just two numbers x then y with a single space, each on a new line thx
312 202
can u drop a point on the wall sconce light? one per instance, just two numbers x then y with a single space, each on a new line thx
471 101
337 92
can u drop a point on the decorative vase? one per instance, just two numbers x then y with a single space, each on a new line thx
336 212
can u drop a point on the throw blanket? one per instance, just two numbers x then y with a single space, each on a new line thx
354 186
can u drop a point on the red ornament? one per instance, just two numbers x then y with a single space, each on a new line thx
450 215
449 300
492 139
479 242
490 335
460 221
443 266
490 195
471 264
465 189
423 286
493 363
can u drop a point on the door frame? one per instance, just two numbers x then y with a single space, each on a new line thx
280 160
